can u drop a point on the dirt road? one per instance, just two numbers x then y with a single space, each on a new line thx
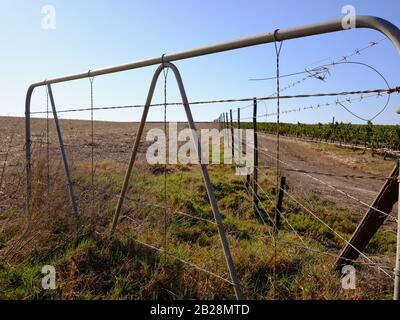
308 158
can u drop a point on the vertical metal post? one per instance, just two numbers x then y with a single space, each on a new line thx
278 205
247 184
204 170
233 140
255 172
239 136
396 295
64 155
228 137
226 120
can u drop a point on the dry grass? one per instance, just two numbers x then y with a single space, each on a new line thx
90 265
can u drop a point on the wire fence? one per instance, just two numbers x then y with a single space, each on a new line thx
256 195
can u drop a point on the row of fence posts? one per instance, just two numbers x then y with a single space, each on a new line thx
225 121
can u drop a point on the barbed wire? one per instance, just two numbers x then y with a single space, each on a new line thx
319 219
322 71
183 261
370 263
326 94
336 175
321 105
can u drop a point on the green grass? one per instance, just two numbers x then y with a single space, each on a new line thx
94 267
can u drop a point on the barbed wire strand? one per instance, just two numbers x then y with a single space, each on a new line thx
91 80
165 73
277 54
371 262
299 96
321 221
321 69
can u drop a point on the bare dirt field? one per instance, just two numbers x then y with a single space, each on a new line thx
352 171
112 140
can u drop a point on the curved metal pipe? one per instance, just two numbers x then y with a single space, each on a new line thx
204 170
369 22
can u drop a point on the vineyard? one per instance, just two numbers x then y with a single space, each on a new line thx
368 135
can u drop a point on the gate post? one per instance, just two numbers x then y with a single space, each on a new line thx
206 177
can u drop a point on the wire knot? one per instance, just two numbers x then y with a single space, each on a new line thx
162 60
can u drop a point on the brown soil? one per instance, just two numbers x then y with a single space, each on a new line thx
335 170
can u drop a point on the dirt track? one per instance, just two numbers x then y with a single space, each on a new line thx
306 157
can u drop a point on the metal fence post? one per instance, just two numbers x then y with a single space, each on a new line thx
233 140
64 155
255 171
396 295
228 139
238 120
248 172
223 114
239 138
278 206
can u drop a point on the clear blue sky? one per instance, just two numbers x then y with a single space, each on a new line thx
94 34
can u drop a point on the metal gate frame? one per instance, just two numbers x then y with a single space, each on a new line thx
204 170
369 22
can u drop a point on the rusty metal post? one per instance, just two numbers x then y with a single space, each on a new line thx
278 205
255 171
